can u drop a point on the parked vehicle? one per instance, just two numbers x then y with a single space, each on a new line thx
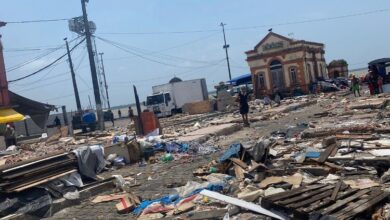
168 99
86 121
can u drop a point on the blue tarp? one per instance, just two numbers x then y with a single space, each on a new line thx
232 151
240 80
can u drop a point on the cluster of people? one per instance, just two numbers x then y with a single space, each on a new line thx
374 81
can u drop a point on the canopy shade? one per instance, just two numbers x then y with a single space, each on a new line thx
38 112
8 115
240 80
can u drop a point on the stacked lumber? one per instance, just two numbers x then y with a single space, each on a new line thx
26 174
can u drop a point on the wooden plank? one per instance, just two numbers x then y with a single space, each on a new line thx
336 191
239 163
210 214
352 205
355 136
239 172
316 198
305 195
44 181
365 206
21 164
328 201
340 203
293 192
324 155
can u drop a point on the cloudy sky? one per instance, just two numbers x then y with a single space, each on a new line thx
148 42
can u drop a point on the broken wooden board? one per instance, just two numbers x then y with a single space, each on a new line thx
239 163
324 155
325 200
239 172
107 198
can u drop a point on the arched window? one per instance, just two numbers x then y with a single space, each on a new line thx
261 80
293 76
308 66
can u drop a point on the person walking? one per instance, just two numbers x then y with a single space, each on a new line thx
10 135
380 84
57 122
131 114
242 98
111 117
355 85
119 113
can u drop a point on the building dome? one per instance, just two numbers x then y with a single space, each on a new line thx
175 79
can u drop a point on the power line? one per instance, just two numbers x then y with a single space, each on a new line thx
136 54
251 27
144 53
40 70
37 21
18 66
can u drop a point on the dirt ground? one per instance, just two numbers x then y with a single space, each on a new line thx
156 179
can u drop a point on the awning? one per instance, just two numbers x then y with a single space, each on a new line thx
38 112
9 115
240 80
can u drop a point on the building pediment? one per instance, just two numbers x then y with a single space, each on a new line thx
272 42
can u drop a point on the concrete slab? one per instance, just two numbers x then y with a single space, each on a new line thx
375 103
204 134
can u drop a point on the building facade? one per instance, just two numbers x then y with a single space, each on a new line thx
281 64
338 68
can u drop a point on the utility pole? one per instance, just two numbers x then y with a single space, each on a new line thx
226 46
76 90
95 83
105 81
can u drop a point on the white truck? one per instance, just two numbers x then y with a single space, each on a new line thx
168 99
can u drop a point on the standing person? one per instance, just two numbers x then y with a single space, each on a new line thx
119 113
380 84
111 117
242 98
131 114
370 81
10 135
57 122
355 85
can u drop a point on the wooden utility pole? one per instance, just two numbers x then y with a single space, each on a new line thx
76 90
105 81
95 82
226 46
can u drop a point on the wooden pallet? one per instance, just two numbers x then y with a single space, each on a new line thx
315 201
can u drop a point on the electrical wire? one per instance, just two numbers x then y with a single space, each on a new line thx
45 67
252 27
37 21
137 54
145 53
18 66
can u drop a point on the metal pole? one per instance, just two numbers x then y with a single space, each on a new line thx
95 82
226 46
66 121
105 81
90 103
76 90
141 127
26 127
